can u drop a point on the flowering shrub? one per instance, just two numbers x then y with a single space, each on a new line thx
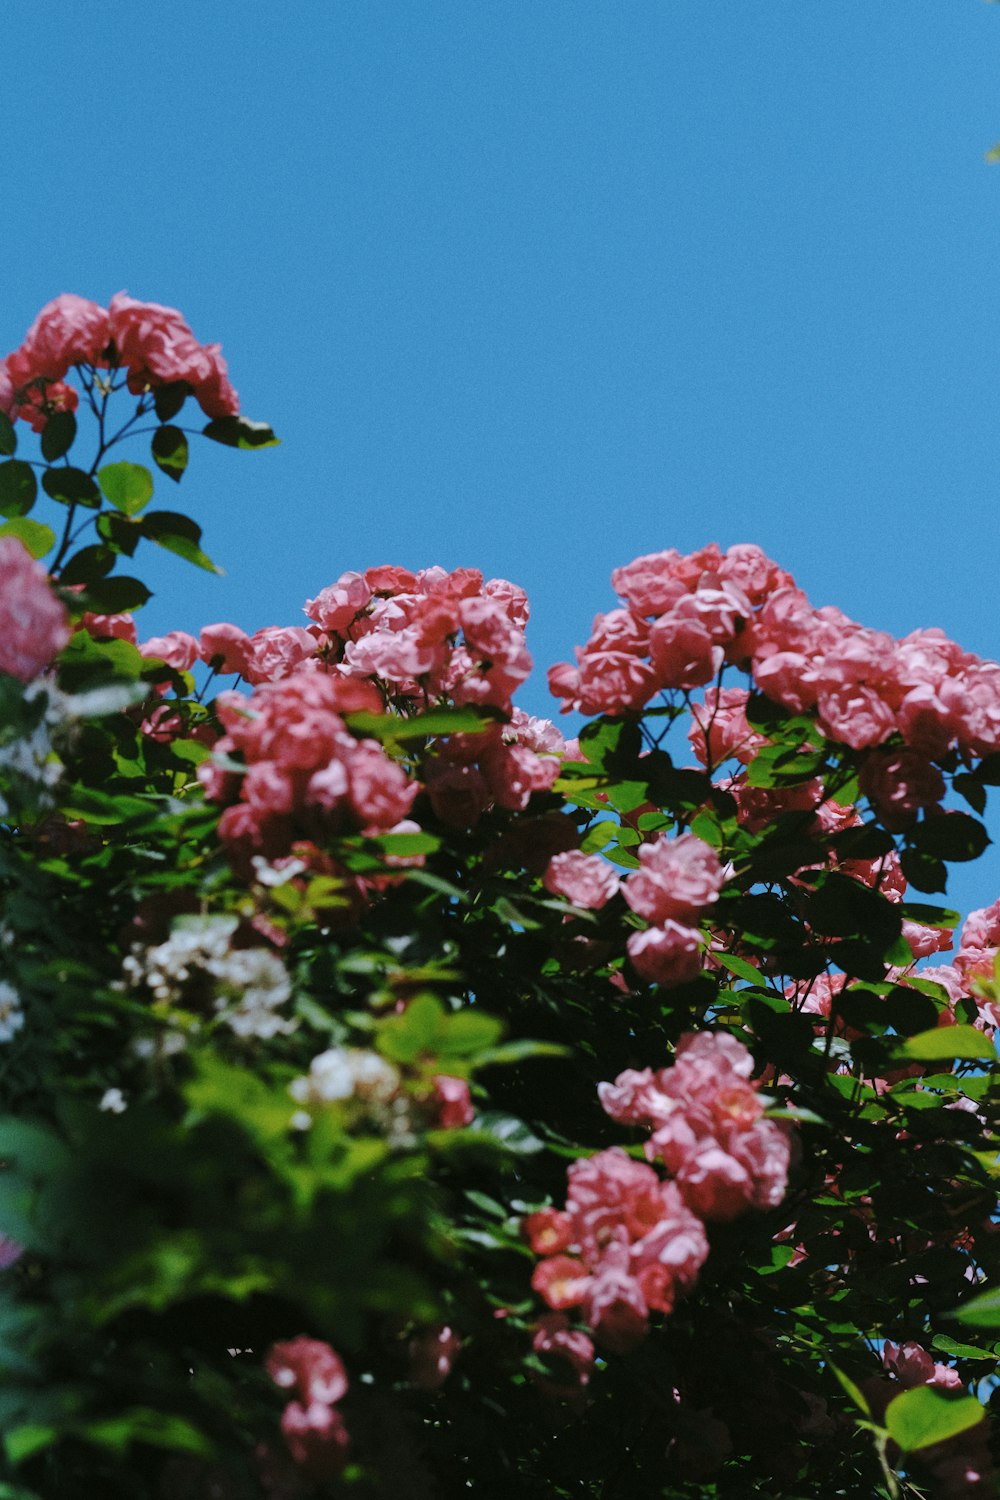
401 1099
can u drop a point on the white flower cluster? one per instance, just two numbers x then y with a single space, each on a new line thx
245 986
368 1081
11 1014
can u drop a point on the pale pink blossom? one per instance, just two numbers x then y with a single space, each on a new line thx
680 879
34 624
586 880
669 954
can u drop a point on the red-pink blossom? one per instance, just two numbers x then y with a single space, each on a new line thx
69 330
308 1366
157 347
226 644
316 1438
432 1353
568 1353
453 1102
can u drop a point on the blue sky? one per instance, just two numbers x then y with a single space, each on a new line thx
538 287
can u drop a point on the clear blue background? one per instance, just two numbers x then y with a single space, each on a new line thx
539 285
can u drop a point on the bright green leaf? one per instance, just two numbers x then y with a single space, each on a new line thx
921 1416
128 487
37 537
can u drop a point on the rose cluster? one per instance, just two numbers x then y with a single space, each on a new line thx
678 881
628 1241
306 775
152 344
427 636
686 617
313 1428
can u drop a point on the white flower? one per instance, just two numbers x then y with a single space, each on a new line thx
113 1101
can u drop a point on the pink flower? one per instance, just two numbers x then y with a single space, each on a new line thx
157 347
380 792
900 784
178 649
683 651
649 585
615 1307
109 627
335 607
69 330
309 1367
679 879
548 1231
34 624
670 954
719 729
276 651
453 1102
432 1353
856 716
561 1280
227 642
636 1098
6 390
714 1184
316 1438
38 402
569 1354
586 880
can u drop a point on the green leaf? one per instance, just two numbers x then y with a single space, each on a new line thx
922 1416
406 845
30 1438
387 727
170 451
142 1424
116 596
104 808
952 835
468 1032
982 1312
8 437
961 1351
87 566
58 435
929 916
740 967
513 1134
948 1041
71 487
18 487
178 534
37 537
169 399
240 432
128 487
418 1031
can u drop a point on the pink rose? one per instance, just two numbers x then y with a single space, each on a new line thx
34 624
667 955
69 330
586 880
680 878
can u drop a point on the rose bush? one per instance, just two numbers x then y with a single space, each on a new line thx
401 1099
